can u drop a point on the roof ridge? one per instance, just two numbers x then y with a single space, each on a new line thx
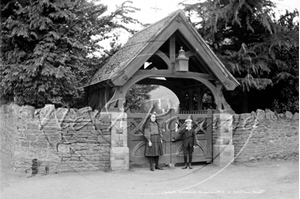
197 34
172 14
138 42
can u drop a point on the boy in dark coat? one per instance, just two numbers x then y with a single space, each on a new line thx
188 137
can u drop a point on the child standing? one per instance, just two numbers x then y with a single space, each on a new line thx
153 136
188 137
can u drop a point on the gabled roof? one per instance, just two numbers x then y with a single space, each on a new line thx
141 46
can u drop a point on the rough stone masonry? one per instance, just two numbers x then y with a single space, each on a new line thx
60 139
54 140
265 135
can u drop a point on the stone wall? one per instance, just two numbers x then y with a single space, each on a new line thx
7 129
58 140
264 135
55 140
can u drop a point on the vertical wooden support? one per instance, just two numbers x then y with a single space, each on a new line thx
222 105
117 100
121 99
191 101
209 126
172 51
219 95
199 99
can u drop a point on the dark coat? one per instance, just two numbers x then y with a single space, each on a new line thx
152 132
188 137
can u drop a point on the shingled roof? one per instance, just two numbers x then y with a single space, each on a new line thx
118 63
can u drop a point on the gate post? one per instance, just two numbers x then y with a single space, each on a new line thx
119 151
223 149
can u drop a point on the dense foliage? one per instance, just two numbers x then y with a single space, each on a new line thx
286 75
136 97
48 48
260 50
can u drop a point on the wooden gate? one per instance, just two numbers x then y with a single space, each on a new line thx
172 151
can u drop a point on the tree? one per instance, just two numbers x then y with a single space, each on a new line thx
137 95
47 48
248 39
287 74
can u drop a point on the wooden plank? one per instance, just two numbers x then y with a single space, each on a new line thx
172 151
172 51
167 73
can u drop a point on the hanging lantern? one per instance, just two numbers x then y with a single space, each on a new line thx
182 62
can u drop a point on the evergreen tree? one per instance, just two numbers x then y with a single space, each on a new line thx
250 41
137 95
286 75
47 48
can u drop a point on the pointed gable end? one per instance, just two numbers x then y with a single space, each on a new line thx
141 46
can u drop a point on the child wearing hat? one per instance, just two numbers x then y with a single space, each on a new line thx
188 137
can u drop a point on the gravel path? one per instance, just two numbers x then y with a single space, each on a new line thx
276 180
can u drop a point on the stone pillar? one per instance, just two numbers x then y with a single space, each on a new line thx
119 151
223 149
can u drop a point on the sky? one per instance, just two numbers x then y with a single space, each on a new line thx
150 10
154 10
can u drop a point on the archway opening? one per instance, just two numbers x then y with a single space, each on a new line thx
182 94
141 97
136 96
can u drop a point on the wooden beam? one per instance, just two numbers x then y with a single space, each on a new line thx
156 82
142 74
194 86
172 51
164 57
192 38
211 60
189 53
167 73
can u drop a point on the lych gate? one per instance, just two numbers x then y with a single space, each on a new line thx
172 151
169 53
